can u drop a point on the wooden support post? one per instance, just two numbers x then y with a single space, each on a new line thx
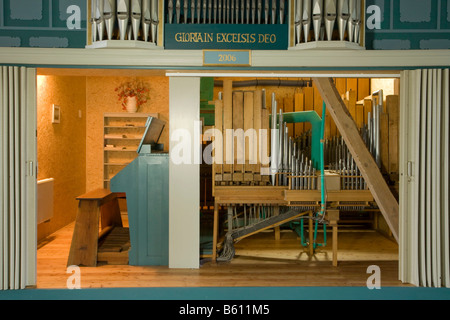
333 217
248 126
238 140
227 124
335 243
311 235
218 142
364 160
215 231
277 229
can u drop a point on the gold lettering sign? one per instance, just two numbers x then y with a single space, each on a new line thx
203 37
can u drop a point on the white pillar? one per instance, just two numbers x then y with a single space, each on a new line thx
184 177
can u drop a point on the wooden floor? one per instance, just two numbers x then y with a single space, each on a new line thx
259 261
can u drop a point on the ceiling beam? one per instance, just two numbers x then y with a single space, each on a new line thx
364 160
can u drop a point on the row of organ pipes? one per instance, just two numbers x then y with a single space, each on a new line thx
291 166
291 155
124 20
325 16
139 19
227 11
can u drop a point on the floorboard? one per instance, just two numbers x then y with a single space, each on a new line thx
260 261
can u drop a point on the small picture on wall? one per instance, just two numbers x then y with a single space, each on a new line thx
56 114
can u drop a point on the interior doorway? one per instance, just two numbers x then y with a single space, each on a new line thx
71 153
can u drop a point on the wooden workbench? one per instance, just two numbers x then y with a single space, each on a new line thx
281 196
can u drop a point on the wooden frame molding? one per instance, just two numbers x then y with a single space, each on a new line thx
377 185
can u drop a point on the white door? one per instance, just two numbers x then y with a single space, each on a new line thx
17 177
424 174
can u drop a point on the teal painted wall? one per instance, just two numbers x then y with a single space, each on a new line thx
41 23
405 24
410 25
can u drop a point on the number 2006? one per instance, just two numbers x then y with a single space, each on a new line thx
227 58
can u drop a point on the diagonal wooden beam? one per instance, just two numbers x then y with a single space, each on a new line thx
364 160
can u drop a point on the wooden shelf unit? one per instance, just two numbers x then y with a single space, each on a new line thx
122 133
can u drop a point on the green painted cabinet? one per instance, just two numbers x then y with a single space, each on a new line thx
146 184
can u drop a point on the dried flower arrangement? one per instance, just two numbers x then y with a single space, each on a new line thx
135 88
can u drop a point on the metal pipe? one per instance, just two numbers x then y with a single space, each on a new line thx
210 11
298 20
330 17
357 22
274 11
177 10
266 82
135 17
205 6
317 14
342 18
259 11
99 19
281 12
146 18
123 12
266 11
281 141
253 12
170 11
93 20
109 16
274 141
306 18
186 11
352 18
155 20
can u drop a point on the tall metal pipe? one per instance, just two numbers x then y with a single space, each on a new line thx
274 11
266 11
123 13
170 11
281 19
357 22
306 18
178 11
351 24
330 17
274 141
317 16
298 20
135 17
154 6
259 11
146 18
93 20
109 16
342 18
210 11
204 11
99 19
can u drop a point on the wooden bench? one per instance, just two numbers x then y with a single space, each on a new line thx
99 204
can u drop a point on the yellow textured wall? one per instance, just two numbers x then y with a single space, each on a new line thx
101 98
62 147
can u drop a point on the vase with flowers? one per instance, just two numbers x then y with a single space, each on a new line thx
132 94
